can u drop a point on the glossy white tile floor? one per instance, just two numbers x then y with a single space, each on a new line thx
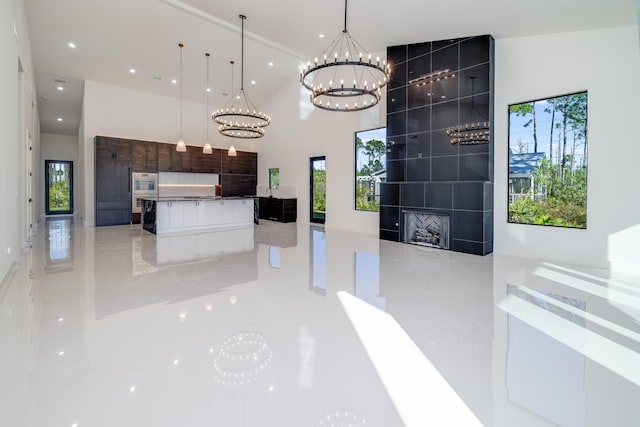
291 326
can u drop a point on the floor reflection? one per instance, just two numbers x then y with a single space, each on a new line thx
59 243
318 251
236 338
367 286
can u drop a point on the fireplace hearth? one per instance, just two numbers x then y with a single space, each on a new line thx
426 228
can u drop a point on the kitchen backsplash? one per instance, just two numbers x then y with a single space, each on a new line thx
185 184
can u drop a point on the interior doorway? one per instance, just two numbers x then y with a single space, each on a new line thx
318 189
59 187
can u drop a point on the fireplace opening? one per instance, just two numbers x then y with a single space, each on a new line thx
426 229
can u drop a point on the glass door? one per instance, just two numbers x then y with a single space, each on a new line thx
318 189
59 187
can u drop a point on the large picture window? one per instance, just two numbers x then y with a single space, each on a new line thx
548 161
371 168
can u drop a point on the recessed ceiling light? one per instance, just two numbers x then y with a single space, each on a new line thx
253 82
174 81
61 353
321 36
60 88
132 70
72 45
270 64
208 89
59 119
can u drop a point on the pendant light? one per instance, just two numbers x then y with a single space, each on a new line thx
232 149
207 149
181 147
345 77
239 118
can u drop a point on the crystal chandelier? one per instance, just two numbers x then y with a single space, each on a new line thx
345 77
239 118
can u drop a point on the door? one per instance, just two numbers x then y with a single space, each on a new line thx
59 187
318 189
29 153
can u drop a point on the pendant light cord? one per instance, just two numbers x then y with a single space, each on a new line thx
232 82
242 18
207 89
345 17
181 46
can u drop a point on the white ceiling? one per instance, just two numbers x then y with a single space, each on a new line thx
116 35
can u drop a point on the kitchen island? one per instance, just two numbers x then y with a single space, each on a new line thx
171 215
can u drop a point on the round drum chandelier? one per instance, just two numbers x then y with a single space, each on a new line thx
239 118
345 77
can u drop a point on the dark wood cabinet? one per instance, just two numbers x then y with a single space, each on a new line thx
113 181
203 163
144 156
194 160
117 158
164 156
237 185
276 209
245 163
238 174
180 161
113 148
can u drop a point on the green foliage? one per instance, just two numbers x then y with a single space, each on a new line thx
550 212
59 196
274 178
319 190
365 198
374 150
565 203
559 193
522 110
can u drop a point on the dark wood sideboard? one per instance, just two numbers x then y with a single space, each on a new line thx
277 209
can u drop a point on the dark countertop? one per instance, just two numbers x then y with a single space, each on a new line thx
196 198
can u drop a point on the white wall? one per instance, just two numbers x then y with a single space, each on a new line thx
125 113
606 63
14 125
81 182
299 131
59 147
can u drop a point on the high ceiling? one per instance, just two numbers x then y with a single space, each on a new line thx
117 35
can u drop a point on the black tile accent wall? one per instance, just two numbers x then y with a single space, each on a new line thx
424 171
419 145
390 196
412 195
396 148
